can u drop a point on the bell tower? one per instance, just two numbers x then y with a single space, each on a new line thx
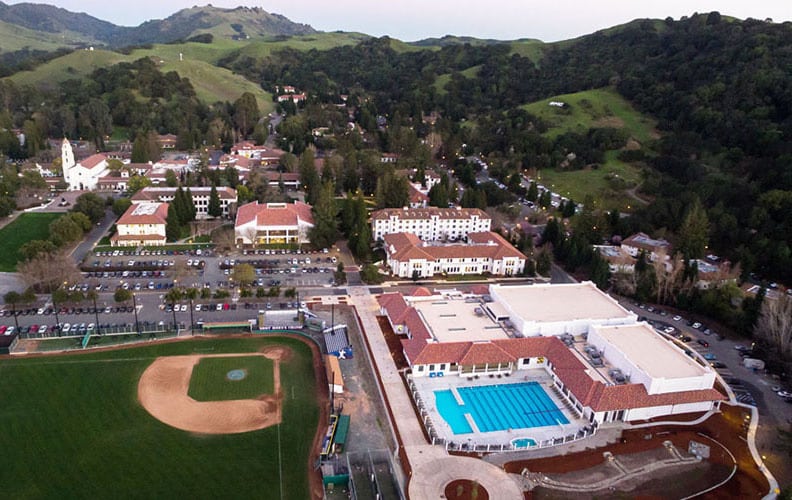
67 159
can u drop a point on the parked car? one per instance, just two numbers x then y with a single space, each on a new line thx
703 342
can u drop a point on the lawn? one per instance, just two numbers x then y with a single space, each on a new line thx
73 428
26 227
211 382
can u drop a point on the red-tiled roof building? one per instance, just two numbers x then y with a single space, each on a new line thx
141 224
273 223
640 375
486 252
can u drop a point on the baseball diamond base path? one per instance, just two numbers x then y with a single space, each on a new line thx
163 388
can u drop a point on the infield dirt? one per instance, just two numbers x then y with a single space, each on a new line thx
163 388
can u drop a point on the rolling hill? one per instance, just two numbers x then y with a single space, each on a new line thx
211 83
40 26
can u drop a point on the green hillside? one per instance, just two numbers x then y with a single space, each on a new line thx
73 65
13 38
592 108
318 41
532 49
211 83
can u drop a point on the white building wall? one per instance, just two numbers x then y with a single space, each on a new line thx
430 229
659 385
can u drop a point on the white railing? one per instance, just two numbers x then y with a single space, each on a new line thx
471 446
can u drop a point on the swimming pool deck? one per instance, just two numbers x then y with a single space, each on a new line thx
426 387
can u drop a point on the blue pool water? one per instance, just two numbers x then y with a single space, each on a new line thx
523 443
499 407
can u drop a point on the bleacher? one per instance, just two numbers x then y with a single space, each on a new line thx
336 339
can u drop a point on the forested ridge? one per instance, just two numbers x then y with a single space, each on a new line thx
721 90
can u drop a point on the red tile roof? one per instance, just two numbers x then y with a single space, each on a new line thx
407 246
420 349
274 214
145 213
93 161
421 291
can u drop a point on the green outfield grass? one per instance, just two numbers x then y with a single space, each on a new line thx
26 227
73 428
209 381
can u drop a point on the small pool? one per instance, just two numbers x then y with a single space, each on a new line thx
523 443
498 408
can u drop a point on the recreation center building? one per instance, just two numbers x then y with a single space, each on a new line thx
597 360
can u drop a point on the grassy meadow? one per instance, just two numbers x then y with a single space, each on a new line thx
26 227
73 428
593 108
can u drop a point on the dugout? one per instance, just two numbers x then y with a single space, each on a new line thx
342 431
8 342
225 326
334 378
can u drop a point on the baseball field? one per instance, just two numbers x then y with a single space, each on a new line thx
206 418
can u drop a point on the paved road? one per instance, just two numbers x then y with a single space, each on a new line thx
93 237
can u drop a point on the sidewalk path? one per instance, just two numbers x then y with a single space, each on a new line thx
432 467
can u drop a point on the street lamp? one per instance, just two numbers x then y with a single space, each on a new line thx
134 309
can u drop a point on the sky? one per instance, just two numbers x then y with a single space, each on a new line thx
410 20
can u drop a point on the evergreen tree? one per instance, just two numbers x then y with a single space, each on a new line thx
533 192
309 178
545 200
693 234
179 206
192 210
214 209
140 149
438 196
172 224
325 230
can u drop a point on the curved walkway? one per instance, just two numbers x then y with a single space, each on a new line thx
432 467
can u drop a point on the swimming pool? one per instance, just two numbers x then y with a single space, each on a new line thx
523 443
498 407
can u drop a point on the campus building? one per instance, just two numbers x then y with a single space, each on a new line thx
430 223
85 174
612 368
200 198
273 223
142 224
407 256
642 242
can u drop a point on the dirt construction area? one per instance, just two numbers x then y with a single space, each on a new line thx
163 392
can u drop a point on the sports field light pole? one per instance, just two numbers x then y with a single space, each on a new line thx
96 314
134 309
192 322
55 308
173 310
